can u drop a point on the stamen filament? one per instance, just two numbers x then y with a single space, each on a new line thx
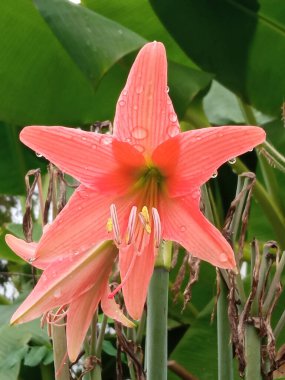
115 222
157 227
131 225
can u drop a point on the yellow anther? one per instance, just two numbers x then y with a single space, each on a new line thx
109 225
145 214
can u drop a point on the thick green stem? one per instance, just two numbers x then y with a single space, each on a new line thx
61 365
252 354
156 334
225 352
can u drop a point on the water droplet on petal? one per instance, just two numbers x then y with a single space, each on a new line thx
139 89
139 133
31 259
215 175
250 150
57 293
128 139
182 228
94 146
122 103
223 257
106 140
135 107
232 161
139 147
172 130
173 117
125 92
38 154
167 89
83 138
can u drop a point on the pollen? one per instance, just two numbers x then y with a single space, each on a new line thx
144 216
109 225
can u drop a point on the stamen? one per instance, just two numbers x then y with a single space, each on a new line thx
115 224
144 218
131 225
156 226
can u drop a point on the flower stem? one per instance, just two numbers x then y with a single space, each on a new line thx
225 352
156 334
61 366
252 354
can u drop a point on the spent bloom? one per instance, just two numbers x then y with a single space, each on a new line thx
140 185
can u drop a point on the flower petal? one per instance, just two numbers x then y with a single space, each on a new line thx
136 287
79 317
95 160
184 223
144 115
25 250
81 224
189 159
66 279
112 309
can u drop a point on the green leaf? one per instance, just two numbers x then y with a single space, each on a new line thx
140 17
109 348
35 355
228 38
94 42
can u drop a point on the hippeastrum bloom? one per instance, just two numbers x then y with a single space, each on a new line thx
146 177
71 286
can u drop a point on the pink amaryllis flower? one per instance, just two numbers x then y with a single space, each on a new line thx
146 176
71 286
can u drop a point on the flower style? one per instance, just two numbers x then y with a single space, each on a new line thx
141 184
76 284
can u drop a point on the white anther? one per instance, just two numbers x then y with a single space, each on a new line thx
156 226
115 222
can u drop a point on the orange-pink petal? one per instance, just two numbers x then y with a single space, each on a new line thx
144 114
89 157
136 287
184 223
26 251
189 159
112 309
66 279
79 317
81 224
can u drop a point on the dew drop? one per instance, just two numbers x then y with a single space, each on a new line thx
128 139
83 138
125 92
120 31
182 228
250 150
232 161
223 257
135 107
215 175
38 154
57 293
31 259
167 89
122 103
139 147
173 117
139 133
106 140
139 89
172 130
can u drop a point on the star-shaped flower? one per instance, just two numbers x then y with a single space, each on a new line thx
141 184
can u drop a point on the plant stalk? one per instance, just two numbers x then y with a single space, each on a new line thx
156 332
225 351
252 354
61 365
